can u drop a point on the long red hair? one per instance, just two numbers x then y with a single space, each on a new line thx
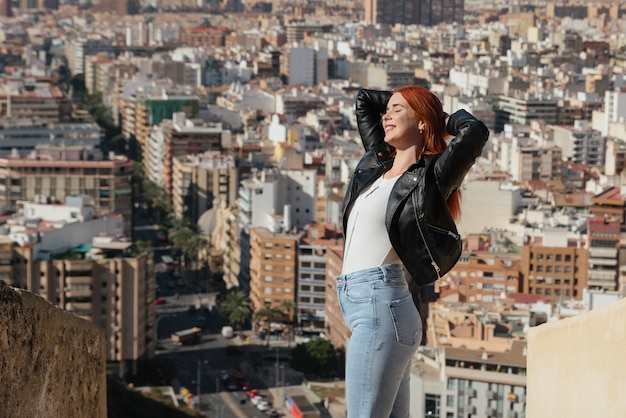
428 108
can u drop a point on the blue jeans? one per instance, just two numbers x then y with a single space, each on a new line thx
386 331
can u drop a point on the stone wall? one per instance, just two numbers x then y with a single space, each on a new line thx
52 362
577 367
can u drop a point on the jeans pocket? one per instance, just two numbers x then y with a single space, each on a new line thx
358 292
406 320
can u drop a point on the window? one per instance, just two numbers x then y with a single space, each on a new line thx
431 405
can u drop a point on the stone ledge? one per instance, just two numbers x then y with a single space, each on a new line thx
53 363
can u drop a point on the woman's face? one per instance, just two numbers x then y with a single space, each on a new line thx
400 124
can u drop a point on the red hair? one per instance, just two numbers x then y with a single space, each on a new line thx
428 109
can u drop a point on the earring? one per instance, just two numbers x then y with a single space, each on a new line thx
421 130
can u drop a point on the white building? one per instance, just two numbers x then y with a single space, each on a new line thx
489 204
53 228
580 143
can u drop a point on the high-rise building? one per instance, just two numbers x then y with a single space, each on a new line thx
311 283
201 182
603 241
6 10
555 268
179 137
75 259
414 12
55 173
273 265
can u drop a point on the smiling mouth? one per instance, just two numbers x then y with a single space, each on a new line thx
389 128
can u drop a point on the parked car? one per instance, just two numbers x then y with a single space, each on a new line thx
256 399
160 301
263 406
231 385
252 393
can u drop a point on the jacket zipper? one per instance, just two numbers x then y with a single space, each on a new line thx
419 227
444 231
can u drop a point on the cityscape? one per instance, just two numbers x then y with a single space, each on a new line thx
173 172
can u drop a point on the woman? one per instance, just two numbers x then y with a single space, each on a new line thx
388 254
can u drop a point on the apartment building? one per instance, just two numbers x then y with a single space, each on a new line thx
522 109
53 173
603 241
76 260
609 205
205 36
36 100
77 49
116 292
201 182
555 268
615 161
418 12
151 110
178 137
21 136
481 277
457 382
92 64
273 268
308 66
580 144
232 247
311 275
297 104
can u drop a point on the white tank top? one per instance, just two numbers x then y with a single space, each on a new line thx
367 242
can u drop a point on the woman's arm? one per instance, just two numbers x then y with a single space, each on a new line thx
470 136
370 105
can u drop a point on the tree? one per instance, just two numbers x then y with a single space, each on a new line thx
288 307
143 246
236 306
269 314
266 316
315 358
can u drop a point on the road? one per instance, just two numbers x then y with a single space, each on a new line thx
199 365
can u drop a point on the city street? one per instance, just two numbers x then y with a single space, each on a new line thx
199 366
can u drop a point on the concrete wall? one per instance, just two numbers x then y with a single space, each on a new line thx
577 366
52 363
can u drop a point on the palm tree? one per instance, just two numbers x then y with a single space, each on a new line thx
288 307
188 241
267 315
236 306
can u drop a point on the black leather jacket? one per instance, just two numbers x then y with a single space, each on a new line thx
413 194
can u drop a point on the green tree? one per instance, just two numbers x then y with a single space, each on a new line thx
187 240
315 358
155 197
288 307
236 305
143 246
268 314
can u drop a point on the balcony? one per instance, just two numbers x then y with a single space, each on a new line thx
576 365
